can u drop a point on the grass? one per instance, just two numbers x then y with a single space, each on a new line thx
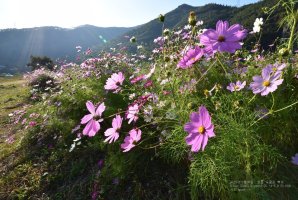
13 95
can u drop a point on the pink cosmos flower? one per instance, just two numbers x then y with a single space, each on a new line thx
295 159
131 140
266 83
32 123
224 38
114 82
137 79
236 86
93 119
10 140
160 41
275 67
200 128
152 70
113 133
165 92
191 56
132 113
148 84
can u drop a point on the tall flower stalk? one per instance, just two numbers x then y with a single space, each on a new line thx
290 19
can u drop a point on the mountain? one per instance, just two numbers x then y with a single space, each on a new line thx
16 45
210 14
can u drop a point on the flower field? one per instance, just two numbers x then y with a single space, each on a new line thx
201 116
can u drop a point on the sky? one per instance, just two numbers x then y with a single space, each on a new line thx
104 13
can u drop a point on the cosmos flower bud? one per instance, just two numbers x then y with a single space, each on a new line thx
284 52
190 105
161 18
133 39
166 31
167 59
265 10
206 93
192 19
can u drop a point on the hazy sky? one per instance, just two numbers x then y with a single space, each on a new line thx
71 13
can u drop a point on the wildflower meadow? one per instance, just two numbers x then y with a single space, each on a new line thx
201 116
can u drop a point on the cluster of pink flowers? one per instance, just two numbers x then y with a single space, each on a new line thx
112 134
224 38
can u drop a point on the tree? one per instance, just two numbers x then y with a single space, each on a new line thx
37 62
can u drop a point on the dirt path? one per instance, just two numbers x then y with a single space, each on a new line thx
13 82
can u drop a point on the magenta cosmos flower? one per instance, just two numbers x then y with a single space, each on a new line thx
266 83
132 113
190 57
131 140
114 82
224 38
200 129
93 119
295 159
137 79
236 86
112 134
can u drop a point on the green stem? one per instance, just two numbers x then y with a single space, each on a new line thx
292 35
272 101
223 67
271 112
248 165
286 107
252 98
205 73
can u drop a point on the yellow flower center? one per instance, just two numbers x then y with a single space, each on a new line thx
206 92
221 38
266 83
274 69
201 129
236 87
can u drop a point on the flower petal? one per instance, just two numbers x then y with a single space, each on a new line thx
197 144
101 108
90 107
86 118
205 140
87 127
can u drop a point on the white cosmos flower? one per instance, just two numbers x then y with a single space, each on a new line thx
257 25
